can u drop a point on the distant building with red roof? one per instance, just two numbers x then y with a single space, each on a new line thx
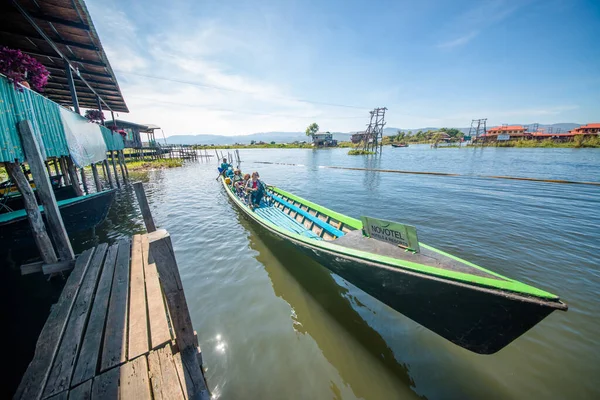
588 129
513 130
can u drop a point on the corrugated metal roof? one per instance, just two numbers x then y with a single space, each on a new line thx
114 141
16 106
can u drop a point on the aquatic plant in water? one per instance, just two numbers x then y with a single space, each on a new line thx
20 67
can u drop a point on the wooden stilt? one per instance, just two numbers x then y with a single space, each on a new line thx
64 171
42 240
48 167
120 152
104 171
107 171
96 178
114 164
121 167
144 207
56 169
45 192
83 180
74 177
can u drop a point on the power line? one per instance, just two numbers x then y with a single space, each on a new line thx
239 91
238 111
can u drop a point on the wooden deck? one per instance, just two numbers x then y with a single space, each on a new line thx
121 329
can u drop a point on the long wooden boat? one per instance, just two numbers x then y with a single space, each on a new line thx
78 213
14 201
476 309
399 145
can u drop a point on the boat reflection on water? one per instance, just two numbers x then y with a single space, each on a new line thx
323 310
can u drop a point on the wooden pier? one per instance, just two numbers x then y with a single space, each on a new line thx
120 329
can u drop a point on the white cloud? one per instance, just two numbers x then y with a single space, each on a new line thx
459 41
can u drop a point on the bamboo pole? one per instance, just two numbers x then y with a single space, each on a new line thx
56 170
83 180
64 171
114 165
121 167
73 176
107 170
45 192
96 178
42 240
122 155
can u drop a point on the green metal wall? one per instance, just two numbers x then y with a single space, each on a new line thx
16 106
114 141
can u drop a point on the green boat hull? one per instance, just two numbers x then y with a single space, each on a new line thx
478 318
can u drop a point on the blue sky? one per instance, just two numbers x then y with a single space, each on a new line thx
269 65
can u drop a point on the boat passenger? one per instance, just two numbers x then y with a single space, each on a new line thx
224 166
255 190
237 180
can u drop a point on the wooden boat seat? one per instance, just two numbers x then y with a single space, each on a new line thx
317 221
281 219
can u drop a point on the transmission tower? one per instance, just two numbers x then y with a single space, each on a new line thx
373 138
478 128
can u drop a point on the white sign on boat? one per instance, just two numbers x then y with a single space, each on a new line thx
402 235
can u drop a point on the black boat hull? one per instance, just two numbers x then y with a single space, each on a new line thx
16 235
481 320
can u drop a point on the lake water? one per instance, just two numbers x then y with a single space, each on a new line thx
273 324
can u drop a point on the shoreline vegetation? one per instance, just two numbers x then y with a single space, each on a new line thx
359 152
160 163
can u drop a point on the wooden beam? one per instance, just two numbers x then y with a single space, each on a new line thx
114 164
84 180
27 34
56 20
45 191
72 89
36 375
144 207
73 176
59 379
90 348
34 216
107 171
96 178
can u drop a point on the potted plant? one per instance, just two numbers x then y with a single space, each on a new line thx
20 68
96 116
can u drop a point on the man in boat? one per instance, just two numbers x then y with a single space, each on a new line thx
224 166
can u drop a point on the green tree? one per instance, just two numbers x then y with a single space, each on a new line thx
312 129
253 142
400 136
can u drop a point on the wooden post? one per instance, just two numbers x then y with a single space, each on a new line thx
107 170
56 170
121 167
48 168
73 177
96 178
112 158
42 240
45 192
122 155
64 171
103 170
144 207
83 180
69 75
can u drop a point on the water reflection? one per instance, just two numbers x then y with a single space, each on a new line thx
335 325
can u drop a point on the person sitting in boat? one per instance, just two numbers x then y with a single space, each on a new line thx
237 180
224 166
255 190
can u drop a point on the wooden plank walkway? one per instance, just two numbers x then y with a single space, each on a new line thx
120 329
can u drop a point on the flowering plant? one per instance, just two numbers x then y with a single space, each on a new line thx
94 115
19 67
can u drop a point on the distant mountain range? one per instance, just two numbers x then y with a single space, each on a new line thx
289 137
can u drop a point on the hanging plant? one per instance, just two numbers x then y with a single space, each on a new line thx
20 67
96 116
